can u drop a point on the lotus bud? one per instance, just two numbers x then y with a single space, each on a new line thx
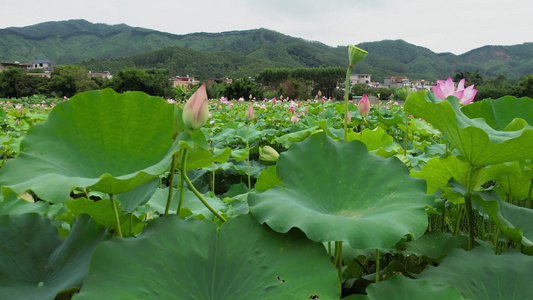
249 115
196 110
349 117
403 92
364 106
294 119
355 54
268 156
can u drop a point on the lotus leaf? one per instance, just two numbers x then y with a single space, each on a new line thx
338 191
35 263
194 260
99 139
479 274
479 143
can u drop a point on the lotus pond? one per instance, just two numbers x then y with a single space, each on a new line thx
112 196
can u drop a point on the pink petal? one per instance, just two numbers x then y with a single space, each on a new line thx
461 85
449 87
438 92
469 95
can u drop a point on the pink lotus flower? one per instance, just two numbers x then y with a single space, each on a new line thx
294 119
292 109
249 115
364 106
196 110
444 89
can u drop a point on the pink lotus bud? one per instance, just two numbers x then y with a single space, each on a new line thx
294 119
364 106
292 109
349 117
196 110
249 115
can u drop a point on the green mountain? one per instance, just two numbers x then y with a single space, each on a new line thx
242 53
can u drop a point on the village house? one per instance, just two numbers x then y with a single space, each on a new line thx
420 85
360 78
396 81
186 81
42 64
103 75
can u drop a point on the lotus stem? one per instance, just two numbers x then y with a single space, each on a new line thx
377 265
115 212
458 218
201 198
346 93
183 172
171 184
248 156
469 211
406 134
528 201
338 259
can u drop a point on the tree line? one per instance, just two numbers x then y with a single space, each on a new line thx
298 83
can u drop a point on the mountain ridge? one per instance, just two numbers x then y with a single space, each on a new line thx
80 42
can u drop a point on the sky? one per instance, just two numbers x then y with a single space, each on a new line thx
455 26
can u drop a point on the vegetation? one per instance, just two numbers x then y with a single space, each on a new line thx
412 207
239 54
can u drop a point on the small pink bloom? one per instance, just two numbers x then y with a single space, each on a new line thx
364 106
294 119
292 109
249 115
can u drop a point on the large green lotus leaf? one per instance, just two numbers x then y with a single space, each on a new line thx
338 191
435 245
103 140
500 112
514 221
132 199
437 172
194 260
377 141
479 274
10 204
479 143
35 263
402 288
159 199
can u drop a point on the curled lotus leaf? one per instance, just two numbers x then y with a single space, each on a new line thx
478 142
338 191
101 140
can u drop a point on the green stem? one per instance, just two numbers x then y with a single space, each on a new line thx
115 212
406 135
495 240
248 156
171 184
469 210
443 219
201 198
338 259
182 172
528 201
458 218
329 251
346 93
377 265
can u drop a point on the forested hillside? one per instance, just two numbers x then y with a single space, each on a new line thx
100 47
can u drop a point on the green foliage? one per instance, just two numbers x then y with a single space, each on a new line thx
153 82
243 88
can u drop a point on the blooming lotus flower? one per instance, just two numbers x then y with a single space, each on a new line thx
355 54
364 106
249 115
444 89
196 110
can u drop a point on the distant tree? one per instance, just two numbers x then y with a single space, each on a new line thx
470 78
8 80
360 89
243 87
68 80
526 86
154 82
